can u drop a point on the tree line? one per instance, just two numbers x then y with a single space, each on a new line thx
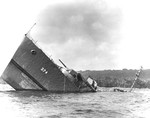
119 78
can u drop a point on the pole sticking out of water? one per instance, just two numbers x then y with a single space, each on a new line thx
137 76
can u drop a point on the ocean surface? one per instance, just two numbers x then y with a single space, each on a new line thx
35 104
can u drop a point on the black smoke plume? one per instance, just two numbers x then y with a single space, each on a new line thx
82 34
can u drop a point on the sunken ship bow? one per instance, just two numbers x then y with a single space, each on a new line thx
31 69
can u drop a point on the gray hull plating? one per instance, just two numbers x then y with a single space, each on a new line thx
31 69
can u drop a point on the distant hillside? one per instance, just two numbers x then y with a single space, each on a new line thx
121 78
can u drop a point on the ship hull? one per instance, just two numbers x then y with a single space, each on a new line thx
31 69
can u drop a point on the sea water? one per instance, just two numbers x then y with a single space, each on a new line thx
36 104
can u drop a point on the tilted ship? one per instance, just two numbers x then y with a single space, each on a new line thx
31 69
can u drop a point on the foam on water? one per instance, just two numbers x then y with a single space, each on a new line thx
35 104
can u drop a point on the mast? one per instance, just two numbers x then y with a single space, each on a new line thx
137 76
30 29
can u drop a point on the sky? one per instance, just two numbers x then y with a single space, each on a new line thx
84 34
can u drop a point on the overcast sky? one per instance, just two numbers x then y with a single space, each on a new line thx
86 35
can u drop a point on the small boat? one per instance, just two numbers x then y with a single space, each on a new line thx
31 69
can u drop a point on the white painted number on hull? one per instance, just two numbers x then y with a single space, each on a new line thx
44 70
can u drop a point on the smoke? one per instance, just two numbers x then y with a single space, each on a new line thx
82 34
